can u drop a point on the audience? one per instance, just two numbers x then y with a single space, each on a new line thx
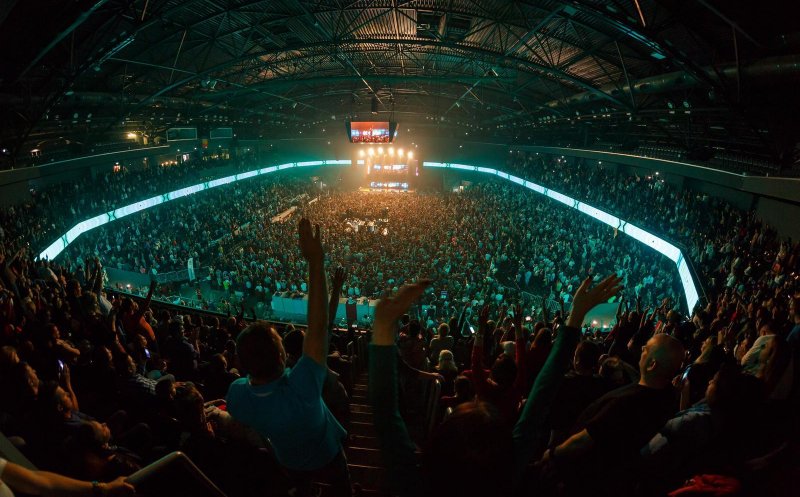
95 383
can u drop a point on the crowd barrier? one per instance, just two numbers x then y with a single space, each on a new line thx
664 247
298 307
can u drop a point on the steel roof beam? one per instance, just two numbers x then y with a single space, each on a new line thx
476 51
59 37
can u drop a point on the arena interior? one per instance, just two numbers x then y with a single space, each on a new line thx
365 248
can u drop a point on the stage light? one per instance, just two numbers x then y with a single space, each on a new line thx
380 150
410 155
400 152
371 151
391 150
361 153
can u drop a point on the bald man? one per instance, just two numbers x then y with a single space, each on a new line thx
602 454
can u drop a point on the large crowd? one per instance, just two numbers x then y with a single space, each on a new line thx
52 209
96 384
497 240
730 247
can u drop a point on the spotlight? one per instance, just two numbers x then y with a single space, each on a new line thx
410 155
391 150
380 150
371 151
361 153
400 152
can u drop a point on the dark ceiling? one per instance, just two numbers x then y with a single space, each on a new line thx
699 77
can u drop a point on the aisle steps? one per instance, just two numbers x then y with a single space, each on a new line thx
363 455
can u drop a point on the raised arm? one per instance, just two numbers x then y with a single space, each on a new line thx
147 300
520 348
315 344
545 314
479 377
397 448
97 284
460 323
531 430
240 314
582 442
336 288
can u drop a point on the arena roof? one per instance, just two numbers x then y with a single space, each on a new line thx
699 77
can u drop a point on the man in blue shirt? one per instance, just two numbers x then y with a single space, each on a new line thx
285 405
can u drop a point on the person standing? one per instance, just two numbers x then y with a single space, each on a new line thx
285 405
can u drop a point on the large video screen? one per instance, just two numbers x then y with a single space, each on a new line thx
370 131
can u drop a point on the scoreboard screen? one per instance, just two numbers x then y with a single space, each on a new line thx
370 131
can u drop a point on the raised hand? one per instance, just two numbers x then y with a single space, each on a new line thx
483 319
389 310
585 298
518 320
338 279
503 312
310 241
545 313
336 289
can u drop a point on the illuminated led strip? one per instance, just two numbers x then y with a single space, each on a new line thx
665 248
64 240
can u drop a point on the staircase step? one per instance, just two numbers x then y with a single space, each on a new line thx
364 456
361 428
363 417
373 493
363 492
362 441
367 409
370 477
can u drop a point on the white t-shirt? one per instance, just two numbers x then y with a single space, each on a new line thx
4 490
